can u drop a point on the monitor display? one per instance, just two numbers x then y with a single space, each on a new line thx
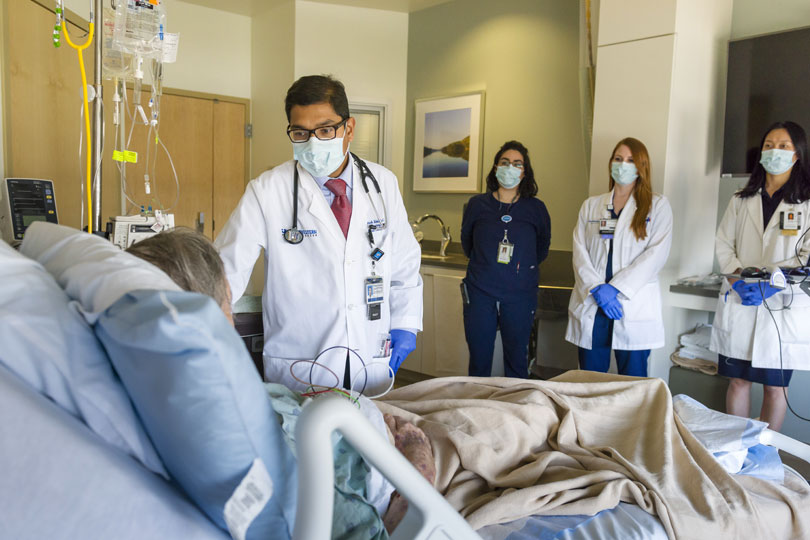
29 219
768 81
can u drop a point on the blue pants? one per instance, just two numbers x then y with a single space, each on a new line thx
632 363
483 315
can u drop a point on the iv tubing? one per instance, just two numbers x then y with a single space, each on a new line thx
79 49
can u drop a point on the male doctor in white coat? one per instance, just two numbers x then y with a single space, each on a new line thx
342 263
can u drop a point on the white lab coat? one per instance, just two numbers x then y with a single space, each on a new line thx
635 274
748 332
314 292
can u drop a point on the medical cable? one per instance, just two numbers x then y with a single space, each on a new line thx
392 376
310 384
802 264
781 365
354 400
348 351
79 50
327 388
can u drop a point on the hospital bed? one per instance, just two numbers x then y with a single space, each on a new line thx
63 480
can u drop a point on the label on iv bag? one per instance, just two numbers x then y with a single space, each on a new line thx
248 499
170 43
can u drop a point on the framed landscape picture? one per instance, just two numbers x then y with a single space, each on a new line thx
447 144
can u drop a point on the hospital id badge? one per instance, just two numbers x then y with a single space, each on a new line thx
374 296
505 250
790 222
607 227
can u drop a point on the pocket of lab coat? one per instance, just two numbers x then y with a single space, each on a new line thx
645 305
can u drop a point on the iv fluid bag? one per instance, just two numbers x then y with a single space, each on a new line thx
115 62
138 28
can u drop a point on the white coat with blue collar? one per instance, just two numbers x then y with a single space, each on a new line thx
749 332
314 292
636 264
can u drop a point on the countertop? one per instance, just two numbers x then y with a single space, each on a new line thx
709 291
556 272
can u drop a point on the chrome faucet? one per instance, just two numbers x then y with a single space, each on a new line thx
445 232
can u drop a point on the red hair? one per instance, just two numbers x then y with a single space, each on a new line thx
642 191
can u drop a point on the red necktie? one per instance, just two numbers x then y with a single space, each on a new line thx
341 206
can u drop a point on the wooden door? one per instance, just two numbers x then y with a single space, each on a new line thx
229 167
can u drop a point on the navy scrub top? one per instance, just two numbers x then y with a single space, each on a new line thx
482 230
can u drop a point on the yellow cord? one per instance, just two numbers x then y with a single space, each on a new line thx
89 190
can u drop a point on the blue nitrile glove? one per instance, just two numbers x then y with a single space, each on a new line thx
750 293
604 293
613 309
403 343
755 292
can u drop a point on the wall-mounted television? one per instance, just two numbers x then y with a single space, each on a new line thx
768 81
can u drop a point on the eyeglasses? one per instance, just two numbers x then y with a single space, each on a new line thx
323 133
505 162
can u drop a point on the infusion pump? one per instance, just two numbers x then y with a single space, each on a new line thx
127 230
22 202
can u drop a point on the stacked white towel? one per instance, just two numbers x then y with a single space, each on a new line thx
694 351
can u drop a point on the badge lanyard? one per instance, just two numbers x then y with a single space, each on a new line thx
505 247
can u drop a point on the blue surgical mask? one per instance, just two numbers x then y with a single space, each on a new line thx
320 158
623 173
508 176
777 161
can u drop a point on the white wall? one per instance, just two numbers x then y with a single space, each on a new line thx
367 50
214 51
755 17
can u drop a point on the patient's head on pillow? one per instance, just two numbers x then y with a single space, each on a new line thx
190 260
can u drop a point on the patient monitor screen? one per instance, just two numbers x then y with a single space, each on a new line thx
28 220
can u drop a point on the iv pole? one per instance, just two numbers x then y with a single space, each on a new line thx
98 120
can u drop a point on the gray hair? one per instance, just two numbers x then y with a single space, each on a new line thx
189 259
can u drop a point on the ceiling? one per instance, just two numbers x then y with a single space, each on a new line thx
250 7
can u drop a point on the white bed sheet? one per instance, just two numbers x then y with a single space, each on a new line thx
625 521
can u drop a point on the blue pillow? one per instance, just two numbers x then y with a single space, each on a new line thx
46 342
202 402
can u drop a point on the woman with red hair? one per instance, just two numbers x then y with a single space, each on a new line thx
621 242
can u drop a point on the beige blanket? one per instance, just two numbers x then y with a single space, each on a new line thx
581 443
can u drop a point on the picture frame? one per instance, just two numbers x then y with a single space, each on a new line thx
448 140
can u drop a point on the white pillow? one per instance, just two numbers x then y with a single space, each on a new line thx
47 343
90 269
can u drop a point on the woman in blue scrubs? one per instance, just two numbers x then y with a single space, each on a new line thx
506 233
621 242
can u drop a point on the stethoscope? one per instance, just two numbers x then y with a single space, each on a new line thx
294 236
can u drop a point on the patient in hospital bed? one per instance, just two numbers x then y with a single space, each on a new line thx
500 449
193 263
